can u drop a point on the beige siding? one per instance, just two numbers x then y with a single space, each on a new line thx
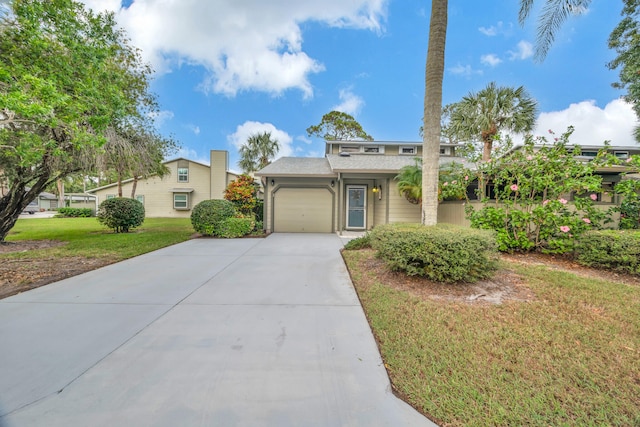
389 150
158 198
400 210
380 203
303 210
218 175
453 213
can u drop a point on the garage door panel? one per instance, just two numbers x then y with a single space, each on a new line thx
303 210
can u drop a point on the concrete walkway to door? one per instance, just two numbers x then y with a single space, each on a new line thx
246 332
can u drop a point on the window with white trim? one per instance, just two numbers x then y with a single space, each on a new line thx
140 198
622 155
373 149
180 200
589 153
349 149
183 174
408 149
111 196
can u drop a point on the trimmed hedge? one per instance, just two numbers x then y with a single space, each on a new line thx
617 250
443 253
207 215
121 214
74 212
235 227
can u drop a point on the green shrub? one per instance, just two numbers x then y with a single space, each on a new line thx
258 210
259 226
207 215
617 250
74 212
361 242
121 214
443 253
234 227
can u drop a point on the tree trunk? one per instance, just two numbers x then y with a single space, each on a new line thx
433 110
14 202
119 185
134 186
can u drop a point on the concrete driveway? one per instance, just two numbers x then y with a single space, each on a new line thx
246 332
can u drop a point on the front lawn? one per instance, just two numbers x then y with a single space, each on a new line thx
567 356
39 251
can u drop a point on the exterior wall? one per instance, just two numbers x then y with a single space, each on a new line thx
296 183
381 203
158 198
389 150
400 210
218 175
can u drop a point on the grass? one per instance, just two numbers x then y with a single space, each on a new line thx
86 237
570 357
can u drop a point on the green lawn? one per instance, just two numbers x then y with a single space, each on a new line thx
86 237
570 357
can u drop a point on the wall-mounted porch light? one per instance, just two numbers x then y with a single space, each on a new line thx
377 189
272 183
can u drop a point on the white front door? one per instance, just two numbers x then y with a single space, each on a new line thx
357 207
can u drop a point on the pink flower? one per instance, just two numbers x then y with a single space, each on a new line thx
628 160
564 228
586 220
514 187
545 203
563 201
594 197
529 157
550 131
445 184
556 139
454 181
466 178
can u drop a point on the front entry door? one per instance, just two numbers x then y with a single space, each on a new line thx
356 206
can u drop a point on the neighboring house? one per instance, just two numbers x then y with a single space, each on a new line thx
351 188
174 195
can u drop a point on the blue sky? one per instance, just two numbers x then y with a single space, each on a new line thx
226 69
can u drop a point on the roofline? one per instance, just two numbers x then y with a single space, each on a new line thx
364 142
294 175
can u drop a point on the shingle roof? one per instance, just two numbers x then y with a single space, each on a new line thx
298 166
335 163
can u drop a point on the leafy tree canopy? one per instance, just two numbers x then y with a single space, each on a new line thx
338 126
66 74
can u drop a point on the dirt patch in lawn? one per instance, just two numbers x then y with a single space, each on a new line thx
22 274
505 285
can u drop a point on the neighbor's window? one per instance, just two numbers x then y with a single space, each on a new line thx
589 153
180 201
111 196
622 155
140 198
349 148
373 149
183 174
408 150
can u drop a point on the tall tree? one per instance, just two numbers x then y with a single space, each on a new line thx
65 75
554 14
625 40
339 126
258 152
487 113
433 110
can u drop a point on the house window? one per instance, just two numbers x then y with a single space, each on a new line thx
589 153
349 149
408 150
140 198
180 201
445 151
622 155
373 149
111 196
183 174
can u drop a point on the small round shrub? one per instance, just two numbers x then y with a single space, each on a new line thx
207 215
121 214
442 253
616 250
362 242
231 228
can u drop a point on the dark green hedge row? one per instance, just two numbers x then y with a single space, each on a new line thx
74 212
616 250
443 253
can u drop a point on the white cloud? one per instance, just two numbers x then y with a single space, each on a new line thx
498 29
351 103
161 117
524 51
244 45
593 125
188 153
464 70
248 128
304 139
193 128
490 59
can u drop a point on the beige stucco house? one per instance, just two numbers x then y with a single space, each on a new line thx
174 195
351 188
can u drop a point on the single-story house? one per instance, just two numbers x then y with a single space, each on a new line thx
351 188
174 195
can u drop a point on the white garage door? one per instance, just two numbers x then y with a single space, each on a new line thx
303 210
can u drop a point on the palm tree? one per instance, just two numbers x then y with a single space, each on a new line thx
433 110
554 14
410 182
484 115
258 152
